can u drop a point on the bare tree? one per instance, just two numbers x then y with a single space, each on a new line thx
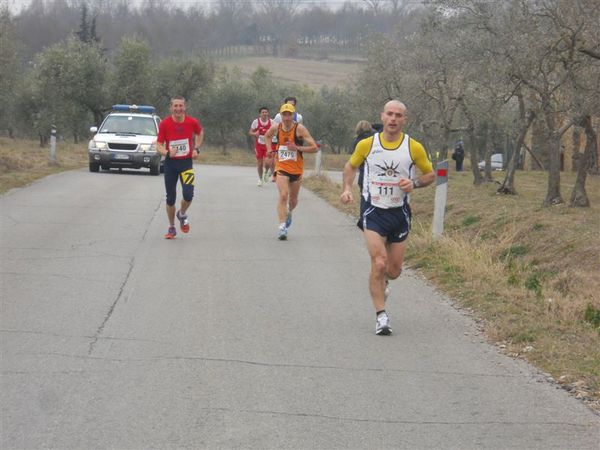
579 195
278 20
375 5
545 64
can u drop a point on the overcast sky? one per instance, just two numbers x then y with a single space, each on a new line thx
16 5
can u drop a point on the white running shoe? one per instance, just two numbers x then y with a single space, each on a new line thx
383 325
259 182
282 233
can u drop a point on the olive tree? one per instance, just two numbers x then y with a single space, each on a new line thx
9 72
133 72
226 108
67 87
179 75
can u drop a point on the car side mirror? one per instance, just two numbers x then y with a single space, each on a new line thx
93 129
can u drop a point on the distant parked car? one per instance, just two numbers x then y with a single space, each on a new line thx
126 139
496 162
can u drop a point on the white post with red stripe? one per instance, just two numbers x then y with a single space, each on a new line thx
318 159
52 144
441 194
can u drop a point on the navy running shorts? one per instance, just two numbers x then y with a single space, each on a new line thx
179 169
393 224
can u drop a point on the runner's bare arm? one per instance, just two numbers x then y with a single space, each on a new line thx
269 135
160 148
198 139
308 143
348 178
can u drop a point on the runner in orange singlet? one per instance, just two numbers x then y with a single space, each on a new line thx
293 139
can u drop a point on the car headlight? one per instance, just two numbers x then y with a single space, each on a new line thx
148 147
99 145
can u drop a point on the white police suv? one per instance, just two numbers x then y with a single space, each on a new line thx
126 139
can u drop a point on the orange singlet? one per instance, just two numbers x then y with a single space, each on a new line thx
289 161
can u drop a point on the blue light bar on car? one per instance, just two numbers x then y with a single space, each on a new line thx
134 108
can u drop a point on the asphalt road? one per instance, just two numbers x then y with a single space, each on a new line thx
113 337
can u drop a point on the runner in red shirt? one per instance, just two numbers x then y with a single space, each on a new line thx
179 140
258 129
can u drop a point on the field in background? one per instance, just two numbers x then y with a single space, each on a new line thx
312 73
529 273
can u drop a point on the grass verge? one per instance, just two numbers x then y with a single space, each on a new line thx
24 161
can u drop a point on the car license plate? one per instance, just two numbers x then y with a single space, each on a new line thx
121 156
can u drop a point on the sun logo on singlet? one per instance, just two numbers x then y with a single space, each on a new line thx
388 171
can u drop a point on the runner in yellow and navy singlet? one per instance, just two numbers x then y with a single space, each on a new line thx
293 139
389 176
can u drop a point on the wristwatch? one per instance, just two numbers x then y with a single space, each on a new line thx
416 184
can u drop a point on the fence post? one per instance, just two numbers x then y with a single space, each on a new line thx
441 194
53 144
318 159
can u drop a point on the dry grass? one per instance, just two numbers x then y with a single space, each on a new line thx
231 157
528 272
22 162
302 71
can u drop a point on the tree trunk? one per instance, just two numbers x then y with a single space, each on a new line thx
553 196
489 149
223 144
508 185
473 152
474 158
552 143
576 145
98 116
579 196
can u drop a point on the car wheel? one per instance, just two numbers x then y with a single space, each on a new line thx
94 167
155 168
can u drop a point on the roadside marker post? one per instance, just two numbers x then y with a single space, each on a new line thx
318 159
53 144
441 194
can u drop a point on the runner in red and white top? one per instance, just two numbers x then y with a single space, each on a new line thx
264 158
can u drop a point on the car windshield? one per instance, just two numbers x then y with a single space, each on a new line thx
129 125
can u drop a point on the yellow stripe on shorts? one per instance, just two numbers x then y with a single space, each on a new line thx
188 177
